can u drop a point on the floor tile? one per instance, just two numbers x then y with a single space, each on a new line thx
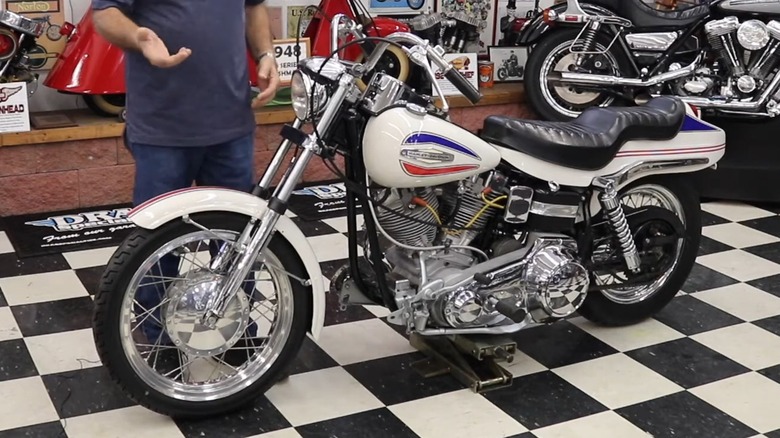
39 288
747 398
310 358
3 302
689 316
772 373
259 417
740 265
15 360
376 423
5 244
89 258
9 329
687 362
51 429
394 381
134 421
86 391
460 414
602 425
770 324
738 236
684 415
283 433
66 351
703 278
572 344
522 365
774 434
742 300
90 278
362 340
25 403
770 251
334 315
309 397
11 266
648 332
710 246
54 316
735 211
708 219
746 343
617 380
542 399
769 225
330 247
340 223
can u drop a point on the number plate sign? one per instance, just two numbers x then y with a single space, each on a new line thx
288 52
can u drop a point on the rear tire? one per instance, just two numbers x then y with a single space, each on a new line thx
109 105
599 308
564 102
108 318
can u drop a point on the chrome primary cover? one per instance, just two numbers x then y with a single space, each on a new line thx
771 7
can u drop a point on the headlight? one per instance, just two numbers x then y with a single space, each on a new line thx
301 88
753 35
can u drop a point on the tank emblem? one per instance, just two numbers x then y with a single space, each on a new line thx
414 170
428 156
429 138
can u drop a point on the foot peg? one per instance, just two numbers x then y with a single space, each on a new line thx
509 308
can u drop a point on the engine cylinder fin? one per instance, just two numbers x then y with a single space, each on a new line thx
422 205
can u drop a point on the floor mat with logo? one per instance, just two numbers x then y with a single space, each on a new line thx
41 234
320 200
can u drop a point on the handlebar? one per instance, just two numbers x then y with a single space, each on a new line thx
342 23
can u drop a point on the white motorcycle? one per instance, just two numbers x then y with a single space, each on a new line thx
206 304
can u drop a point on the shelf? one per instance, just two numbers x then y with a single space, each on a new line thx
91 126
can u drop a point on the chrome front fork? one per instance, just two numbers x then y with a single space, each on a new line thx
258 232
613 210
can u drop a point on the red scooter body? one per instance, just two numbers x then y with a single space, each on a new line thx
91 66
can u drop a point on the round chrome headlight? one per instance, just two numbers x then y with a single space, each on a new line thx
301 89
753 35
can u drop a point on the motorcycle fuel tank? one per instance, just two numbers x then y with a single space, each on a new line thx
768 7
406 148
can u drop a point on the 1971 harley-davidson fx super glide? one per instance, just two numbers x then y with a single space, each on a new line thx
721 56
210 298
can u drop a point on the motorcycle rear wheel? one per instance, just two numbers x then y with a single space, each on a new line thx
140 380
109 105
562 102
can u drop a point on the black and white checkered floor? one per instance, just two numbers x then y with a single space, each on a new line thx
707 366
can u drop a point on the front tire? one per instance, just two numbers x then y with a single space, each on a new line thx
131 371
626 306
564 102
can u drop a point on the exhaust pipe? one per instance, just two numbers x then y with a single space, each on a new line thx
591 79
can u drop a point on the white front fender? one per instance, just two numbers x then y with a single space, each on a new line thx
172 206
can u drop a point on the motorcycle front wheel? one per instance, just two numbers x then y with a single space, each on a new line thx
563 102
147 325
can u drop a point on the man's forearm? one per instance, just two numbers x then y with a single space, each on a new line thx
115 27
258 30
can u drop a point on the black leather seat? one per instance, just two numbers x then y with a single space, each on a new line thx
644 16
592 140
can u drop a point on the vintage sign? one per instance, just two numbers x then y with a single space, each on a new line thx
466 63
288 52
51 43
14 107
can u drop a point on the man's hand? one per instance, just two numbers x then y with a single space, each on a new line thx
156 52
267 81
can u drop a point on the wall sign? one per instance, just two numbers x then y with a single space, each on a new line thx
288 52
14 107
466 63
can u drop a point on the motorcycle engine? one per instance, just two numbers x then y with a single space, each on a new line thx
747 53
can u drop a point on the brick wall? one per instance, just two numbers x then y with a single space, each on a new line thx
88 173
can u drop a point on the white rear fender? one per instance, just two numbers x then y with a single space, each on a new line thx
172 206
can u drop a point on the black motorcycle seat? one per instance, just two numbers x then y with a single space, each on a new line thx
590 141
643 15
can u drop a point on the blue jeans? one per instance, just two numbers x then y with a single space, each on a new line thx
161 169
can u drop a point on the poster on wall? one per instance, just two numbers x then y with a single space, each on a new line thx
482 11
14 107
397 7
508 63
51 43
466 63
523 7
288 52
288 17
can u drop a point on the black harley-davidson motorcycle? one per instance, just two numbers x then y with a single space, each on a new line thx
720 56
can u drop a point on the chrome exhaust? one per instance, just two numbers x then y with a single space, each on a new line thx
591 79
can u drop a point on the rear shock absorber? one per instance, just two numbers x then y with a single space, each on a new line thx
614 213
588 44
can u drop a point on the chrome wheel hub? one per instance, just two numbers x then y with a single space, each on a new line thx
183 314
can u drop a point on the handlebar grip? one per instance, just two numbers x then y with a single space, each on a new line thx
463 85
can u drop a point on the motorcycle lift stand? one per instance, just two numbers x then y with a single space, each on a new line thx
473 360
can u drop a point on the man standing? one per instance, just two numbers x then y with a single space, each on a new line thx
190 115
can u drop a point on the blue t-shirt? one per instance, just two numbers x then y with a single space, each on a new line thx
205 100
